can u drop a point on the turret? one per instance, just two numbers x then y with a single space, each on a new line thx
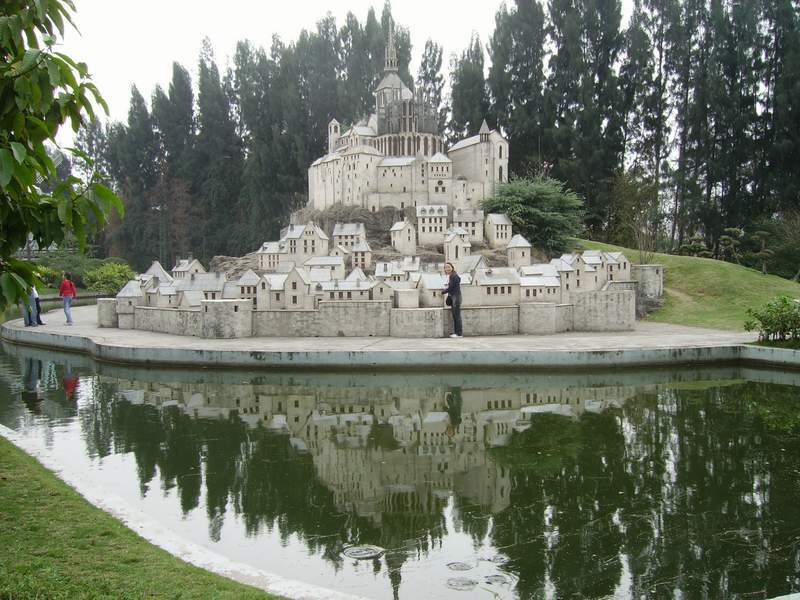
334 132
484 132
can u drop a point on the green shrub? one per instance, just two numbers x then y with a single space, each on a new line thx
108 278
50 277
779 319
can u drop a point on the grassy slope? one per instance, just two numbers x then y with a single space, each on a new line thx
706 292
56 545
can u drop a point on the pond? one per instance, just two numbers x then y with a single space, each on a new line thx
626 484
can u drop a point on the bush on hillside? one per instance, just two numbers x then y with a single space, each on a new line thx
779 319
108 278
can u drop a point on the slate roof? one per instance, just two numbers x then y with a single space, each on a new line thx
497 276
498 219
349 229
132 289
397 161
518 242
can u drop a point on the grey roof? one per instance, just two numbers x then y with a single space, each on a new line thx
498 219
392 80
337 285
324 261
185 264
545 269
439 158
156 270
132 289
497 276
356 275
192 297
361 149
465 143
468 215
276 281
166 289
432 281
432 210
302 273
449 236
230 290
539 281
397 161
468 264
202 282
615 257
361 246
484 128
273 248
294 232
399 225
249 277
518 242
561 265
349 229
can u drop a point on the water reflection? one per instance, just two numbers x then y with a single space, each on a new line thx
628 484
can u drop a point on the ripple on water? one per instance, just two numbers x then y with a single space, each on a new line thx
462 584
365 552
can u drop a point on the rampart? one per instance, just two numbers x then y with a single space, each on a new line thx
612 310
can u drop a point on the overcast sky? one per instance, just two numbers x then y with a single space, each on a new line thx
127 42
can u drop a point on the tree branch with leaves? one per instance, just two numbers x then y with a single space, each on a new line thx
40 91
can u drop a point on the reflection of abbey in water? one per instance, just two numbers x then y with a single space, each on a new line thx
379 448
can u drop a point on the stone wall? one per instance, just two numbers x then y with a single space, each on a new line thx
107 312
354 319
537 318
649 287
610 310
604 311
226 318
167 320
488 320
284 323
332 319
419 322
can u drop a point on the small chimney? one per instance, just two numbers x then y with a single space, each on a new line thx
191 258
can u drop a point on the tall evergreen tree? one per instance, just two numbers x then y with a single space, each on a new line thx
469 98
431 81
218 162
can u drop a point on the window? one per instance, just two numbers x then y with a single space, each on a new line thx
294 299
277 297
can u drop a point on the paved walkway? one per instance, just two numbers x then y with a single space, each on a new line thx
650 343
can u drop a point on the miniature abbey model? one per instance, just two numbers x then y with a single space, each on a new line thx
313 282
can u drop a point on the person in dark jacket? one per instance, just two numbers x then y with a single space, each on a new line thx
453 290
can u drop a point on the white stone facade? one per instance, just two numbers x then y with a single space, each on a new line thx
396 156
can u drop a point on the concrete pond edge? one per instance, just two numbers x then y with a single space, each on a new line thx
665 355
157 534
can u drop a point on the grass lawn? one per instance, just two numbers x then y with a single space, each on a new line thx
56 545
708 293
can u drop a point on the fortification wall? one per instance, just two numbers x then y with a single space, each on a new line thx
488 320
167 320
419 322
604 311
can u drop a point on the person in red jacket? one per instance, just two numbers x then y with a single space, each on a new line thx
68 292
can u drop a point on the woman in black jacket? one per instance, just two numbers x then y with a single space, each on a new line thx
453 290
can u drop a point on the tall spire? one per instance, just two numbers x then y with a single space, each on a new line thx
390 63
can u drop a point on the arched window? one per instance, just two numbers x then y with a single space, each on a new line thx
500 150
500 174
409 151
425 147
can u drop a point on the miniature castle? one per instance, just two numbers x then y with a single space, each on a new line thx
312 282
396 156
